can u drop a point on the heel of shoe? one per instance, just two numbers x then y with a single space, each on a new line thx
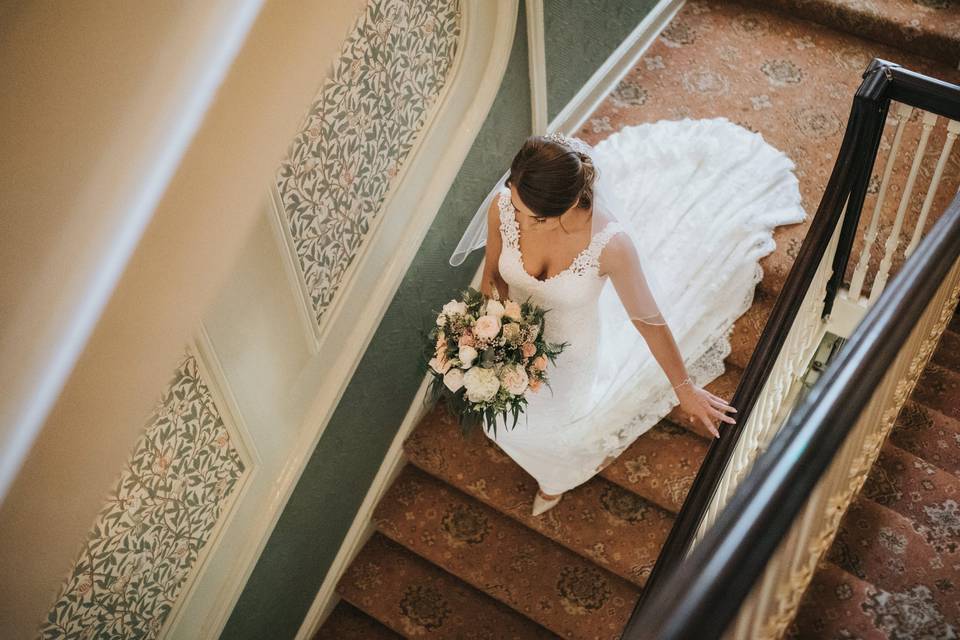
541 504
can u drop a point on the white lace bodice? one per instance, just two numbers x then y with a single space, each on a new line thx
571 296
577 285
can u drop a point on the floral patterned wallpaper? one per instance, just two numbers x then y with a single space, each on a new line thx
359 131
161 513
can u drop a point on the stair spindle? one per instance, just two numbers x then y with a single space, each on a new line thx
860 273
893 240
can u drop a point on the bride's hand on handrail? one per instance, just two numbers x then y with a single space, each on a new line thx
703 406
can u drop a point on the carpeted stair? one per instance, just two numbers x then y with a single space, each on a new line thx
893 570
457 553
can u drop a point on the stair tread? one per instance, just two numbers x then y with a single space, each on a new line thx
635 529
879 545
939 389
660 465
928 434
723 386
415 598
541 579
748 327
916 489
346 622
837 604
927 28
947 353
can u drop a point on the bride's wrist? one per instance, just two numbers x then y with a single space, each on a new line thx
685 382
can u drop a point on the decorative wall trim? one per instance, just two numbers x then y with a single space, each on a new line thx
537 59
336 178
214 585
617 65
573 116
291 266
137 565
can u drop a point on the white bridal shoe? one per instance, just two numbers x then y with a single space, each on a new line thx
542 504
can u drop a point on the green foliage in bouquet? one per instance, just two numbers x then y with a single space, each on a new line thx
485 356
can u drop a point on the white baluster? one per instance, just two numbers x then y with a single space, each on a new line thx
860 273
893 241
953 127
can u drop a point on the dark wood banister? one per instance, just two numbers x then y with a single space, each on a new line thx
703 595
882 81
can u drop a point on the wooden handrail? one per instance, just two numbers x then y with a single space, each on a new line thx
846 188
703 595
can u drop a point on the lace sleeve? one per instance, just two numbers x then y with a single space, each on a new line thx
621 261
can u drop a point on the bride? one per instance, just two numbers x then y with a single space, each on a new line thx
645 250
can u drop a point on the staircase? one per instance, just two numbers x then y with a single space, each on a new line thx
456 553
892 570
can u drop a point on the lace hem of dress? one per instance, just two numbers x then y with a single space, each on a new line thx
708 366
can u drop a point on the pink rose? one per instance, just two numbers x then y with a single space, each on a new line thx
540 362
529 349
534 384
514 379
487 327
466 340
511 310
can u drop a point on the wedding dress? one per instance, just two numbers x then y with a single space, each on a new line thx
702 198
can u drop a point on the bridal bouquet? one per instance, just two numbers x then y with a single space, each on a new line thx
487 354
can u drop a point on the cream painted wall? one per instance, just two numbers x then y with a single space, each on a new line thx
124 118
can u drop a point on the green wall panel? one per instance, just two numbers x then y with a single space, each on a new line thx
579 36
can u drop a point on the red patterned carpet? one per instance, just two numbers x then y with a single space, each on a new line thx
457 553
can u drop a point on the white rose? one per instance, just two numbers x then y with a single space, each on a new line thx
455 307
481 384
514 378
512 310
467 355
453 379
495 308
441 319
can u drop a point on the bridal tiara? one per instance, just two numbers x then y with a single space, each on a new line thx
571 143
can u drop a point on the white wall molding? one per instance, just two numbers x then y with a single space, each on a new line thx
291 266
537 66
617 65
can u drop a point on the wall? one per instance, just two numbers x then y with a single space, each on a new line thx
340 469
156 521
122 135
320 510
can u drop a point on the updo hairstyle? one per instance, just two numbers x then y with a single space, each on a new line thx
550 177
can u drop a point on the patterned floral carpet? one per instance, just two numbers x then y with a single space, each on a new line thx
457 553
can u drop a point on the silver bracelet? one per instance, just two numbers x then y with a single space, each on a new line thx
686 380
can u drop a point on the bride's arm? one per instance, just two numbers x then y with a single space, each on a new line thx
491 269
619 259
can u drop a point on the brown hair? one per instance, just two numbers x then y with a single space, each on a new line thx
551 177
